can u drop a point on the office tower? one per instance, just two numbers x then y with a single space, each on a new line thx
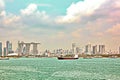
7 47
20 47
35 45
4 51
95 49
27 48
10 48
88 48
101 49
77 50
0 48
73 47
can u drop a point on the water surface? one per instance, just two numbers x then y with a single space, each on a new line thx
53 69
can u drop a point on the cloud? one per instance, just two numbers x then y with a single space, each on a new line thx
115 30
84 21
33 17
3 13
29 10
77 33
2 4
79 9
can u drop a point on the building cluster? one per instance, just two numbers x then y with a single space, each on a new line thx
88 49
24 48
94 49
7 49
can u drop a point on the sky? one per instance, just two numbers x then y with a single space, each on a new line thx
58 24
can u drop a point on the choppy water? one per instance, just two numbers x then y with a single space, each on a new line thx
53 69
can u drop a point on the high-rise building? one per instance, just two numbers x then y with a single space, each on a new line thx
8 47
27 48
4 51
77 50
73 47
0 48
95 49
35 51
88 48
101 49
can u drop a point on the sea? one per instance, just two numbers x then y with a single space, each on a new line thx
54 69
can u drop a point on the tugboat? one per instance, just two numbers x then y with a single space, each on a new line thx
68 58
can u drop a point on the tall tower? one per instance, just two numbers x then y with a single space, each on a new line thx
95 49
77 50
27 48
35 51
10 47
73 47
0 48
88 48
101 49
7 47
5 51
20 47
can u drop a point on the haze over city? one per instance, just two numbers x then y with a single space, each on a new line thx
57 24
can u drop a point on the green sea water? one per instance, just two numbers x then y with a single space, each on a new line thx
54 69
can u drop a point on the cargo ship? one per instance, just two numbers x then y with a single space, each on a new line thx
68 58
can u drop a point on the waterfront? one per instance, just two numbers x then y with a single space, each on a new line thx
54 69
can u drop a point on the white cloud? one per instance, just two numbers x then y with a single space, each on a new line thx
11 20
79 9
33 12
29 10
2 4
115 30
77 33
3 13
117 3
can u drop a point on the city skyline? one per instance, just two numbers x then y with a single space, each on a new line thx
57 24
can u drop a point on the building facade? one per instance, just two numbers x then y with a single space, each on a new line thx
101 49
95 49
0 48
88 48
5 52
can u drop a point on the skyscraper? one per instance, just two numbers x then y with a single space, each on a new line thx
0 48
101 49
77 50
95 49
88 48
4 52
8 47
73 47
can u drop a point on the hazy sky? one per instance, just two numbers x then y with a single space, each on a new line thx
58 23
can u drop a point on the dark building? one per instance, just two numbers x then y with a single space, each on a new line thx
95 49
0 48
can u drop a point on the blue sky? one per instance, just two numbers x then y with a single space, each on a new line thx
55 7
58 23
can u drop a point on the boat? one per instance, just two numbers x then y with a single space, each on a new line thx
4 58
68 58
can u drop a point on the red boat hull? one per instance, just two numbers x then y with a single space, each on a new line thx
66 58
